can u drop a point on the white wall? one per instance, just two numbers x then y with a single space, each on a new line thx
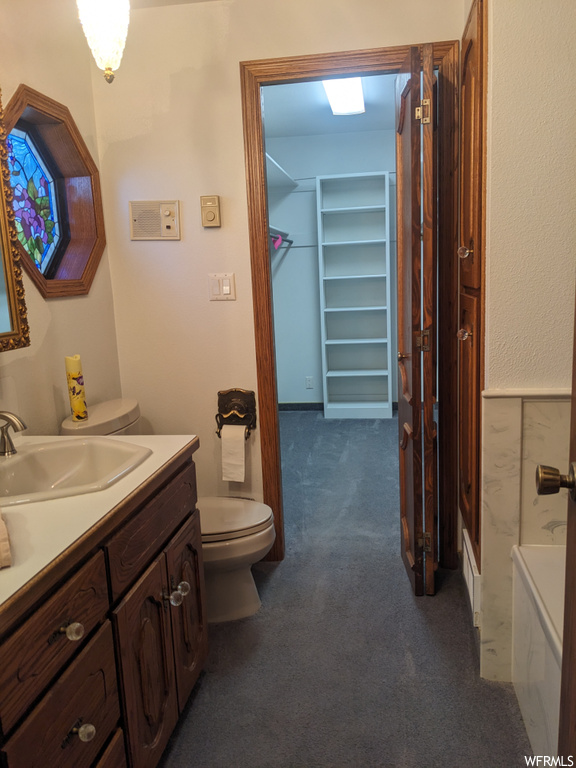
171 125
531 194
295 272
44 47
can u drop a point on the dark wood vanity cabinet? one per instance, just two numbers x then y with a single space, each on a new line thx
109 694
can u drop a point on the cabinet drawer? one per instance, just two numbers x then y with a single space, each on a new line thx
35 653
115 753
133 547
85 694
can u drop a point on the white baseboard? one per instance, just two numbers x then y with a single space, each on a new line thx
471 577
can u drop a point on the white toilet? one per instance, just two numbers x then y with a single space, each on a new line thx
236 533
112 417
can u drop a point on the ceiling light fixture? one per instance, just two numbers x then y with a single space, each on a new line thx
345 96
105 24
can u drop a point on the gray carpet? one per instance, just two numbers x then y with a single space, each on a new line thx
343 666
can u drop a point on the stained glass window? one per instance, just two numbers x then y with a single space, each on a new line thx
35 201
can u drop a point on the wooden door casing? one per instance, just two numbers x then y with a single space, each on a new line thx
255 74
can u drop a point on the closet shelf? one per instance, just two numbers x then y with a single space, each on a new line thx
340 243
380 307
354 209
357 372
368 340
378 275
276 176
354 264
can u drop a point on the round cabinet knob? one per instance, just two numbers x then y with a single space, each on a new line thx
176 598
184 588
464 252
464 334
549 480
73 631
86 732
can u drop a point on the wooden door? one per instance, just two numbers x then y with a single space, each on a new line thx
144 637
567 733
470 258
189 626
417 232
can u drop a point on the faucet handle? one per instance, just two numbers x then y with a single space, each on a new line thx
11 420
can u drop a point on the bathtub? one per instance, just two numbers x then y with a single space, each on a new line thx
538 613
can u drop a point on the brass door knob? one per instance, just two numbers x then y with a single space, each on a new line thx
549 480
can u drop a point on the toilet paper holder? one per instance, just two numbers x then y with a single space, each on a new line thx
236 406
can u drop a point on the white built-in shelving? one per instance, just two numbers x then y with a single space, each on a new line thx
354 264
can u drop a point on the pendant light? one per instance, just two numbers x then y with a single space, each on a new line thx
105 24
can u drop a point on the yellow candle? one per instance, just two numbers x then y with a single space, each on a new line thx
76 388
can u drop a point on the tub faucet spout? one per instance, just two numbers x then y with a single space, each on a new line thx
11 420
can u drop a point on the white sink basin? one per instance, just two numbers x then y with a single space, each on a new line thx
50 470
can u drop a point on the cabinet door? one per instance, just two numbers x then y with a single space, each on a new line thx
189 628
144 641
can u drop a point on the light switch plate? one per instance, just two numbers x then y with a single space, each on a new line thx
222 286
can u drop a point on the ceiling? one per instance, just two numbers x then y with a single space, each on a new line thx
302 109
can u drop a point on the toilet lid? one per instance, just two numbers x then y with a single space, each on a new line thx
104 418
224 518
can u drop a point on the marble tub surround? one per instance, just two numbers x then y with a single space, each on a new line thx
41 532
520 428
545 440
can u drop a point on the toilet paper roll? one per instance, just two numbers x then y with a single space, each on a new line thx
76 393
233 453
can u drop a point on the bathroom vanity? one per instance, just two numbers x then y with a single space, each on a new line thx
102 620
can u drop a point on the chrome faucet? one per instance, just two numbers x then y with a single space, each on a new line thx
6 444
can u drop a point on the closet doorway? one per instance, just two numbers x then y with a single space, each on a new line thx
331 192
254 76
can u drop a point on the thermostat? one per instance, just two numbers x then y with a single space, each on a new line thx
210 209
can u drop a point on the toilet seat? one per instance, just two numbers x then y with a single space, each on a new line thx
223 518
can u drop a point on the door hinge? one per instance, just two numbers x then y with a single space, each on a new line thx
426 542
423 112
423 341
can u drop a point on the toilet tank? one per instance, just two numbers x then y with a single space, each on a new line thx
112 417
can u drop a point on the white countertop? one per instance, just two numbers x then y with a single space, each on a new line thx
41 531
